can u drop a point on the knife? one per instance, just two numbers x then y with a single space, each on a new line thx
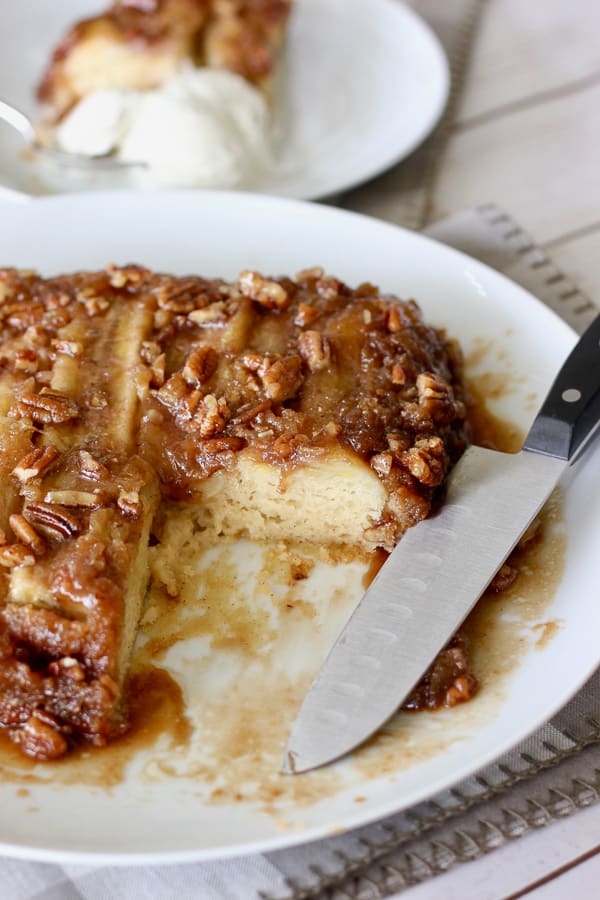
441 567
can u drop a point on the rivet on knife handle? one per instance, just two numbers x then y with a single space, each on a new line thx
571 411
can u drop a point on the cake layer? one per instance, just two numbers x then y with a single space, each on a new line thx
139 45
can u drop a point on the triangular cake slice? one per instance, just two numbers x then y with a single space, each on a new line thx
139 44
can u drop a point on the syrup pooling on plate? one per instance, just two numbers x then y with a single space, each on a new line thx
280 609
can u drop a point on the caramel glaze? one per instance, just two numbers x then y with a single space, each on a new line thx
156 709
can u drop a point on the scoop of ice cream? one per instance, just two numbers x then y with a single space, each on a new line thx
203 128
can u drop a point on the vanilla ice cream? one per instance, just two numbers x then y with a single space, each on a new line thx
202 128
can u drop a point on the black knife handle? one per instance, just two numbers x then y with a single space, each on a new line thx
570 414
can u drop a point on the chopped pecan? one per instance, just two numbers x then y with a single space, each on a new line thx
315 349
398 442
461 690
13 555
287 444
210 416
305 315
26 534
94 304
398 375
123 276
309 274
248 413
45 408
67 666
36 463
208 315
173 392
39 738
91 468
503 578
200 366
27 361
329 288
177 297
263 291
73 499
98 400
382 463
162 319
223 444
55 521
436 397
283 378
129 503
68 348
333 428
57 300
426 460
149 351
394 320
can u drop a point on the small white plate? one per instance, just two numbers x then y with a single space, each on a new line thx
362 84
251 699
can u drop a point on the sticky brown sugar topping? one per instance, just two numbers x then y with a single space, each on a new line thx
280 408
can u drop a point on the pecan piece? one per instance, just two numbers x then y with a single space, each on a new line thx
91 468
305 315
398 375
394 320
263 291
36 463
251 412
200 366
222 444
426 461
504 577
461 690
13 555
55 521
129 503
382 463
211 415
436 397
315 349
40 739
68 348
26 361
208 315
73 499
287 444
26 534
125 276
47 407
282 378
68 667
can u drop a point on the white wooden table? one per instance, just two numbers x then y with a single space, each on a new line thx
528 138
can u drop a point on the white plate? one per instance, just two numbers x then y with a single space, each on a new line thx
175 819
363 83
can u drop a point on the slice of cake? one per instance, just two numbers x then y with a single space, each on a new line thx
139 44
295 409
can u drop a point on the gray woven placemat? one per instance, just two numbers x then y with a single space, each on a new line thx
403 194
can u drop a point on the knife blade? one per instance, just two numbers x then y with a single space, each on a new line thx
441 567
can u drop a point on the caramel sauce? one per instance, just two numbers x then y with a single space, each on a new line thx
157 710
377 560
229 741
